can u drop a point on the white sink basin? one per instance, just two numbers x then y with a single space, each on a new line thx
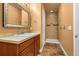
17 38
26 34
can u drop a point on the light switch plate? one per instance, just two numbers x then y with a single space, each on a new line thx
69 27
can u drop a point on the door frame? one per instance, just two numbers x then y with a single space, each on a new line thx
74 29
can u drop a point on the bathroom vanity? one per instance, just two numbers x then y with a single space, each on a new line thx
20 45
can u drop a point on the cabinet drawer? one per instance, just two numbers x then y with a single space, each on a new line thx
29 51
25 44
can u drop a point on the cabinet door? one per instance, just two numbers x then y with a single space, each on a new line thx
8 49
25 44
37 44
29 51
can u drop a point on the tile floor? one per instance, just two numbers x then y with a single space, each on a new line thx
52 49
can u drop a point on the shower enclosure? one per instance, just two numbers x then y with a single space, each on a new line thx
51 26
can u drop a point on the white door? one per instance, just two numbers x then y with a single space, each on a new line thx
76 30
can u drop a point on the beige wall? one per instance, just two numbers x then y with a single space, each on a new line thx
5 31
51 31
66 19
35 10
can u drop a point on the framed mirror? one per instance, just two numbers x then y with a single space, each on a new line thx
16 15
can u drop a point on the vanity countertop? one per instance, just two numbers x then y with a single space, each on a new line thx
18 38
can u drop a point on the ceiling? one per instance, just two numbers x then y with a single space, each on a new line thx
51 6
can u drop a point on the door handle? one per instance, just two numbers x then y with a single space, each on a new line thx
76 36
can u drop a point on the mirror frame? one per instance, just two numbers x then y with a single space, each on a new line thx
5 12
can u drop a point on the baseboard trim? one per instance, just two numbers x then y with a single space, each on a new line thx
63 50
41 49
52 41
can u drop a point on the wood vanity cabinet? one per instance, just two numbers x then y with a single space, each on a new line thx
37 44
29 47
